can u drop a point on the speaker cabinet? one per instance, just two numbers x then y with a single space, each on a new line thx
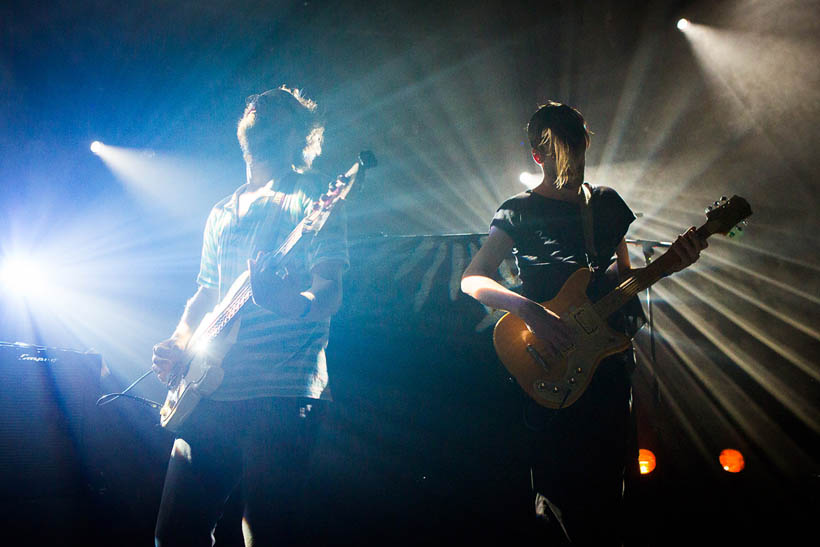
46 401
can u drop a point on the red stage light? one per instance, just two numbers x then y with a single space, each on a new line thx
646 461
732 461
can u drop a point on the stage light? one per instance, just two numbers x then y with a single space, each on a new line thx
683 24
22 276
732 461
530 180
97 147
646 461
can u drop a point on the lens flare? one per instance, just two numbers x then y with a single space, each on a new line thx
22 276
530 180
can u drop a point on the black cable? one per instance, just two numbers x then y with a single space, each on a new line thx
105 399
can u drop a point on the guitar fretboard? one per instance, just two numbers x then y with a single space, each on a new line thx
244 293
641 280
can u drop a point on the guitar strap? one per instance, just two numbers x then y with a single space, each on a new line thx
586 220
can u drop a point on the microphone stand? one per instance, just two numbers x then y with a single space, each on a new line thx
648 248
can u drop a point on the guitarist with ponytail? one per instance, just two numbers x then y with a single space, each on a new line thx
580 453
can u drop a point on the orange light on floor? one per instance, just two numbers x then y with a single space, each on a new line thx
732 461
646 461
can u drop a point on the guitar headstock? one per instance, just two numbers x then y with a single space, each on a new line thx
337 191
726 215
367 159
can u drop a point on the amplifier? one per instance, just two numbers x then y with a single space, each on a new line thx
46 401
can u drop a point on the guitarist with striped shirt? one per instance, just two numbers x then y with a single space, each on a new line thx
256 430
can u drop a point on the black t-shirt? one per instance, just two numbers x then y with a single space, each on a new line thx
549 238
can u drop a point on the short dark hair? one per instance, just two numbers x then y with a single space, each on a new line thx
260 116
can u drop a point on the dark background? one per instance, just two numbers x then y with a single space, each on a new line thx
441 92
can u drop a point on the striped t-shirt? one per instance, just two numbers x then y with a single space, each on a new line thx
273 356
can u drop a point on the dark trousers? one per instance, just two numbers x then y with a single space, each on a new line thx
582 455
264 445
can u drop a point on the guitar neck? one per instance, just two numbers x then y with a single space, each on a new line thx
642 279
243 293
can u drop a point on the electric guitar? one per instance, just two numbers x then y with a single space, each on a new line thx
557 381
200 372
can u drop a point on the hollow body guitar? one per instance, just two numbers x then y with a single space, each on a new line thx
558 381
200 372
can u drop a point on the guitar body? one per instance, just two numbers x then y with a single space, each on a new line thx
202 371
558 381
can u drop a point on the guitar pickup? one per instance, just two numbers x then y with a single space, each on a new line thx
537 357
586 319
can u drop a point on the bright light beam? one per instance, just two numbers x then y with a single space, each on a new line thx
23 277
683 24
167 182
96 147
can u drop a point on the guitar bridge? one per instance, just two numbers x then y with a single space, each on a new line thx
537 357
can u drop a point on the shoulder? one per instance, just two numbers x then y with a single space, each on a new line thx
611 206
517 202
221 204
608 197
511 214
218 211
605 192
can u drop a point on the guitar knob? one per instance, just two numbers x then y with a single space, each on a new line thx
572 380
579 370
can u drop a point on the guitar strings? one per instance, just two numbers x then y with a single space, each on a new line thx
245 292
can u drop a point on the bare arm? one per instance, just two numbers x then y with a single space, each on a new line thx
203 301
477 281
168 352
622 261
